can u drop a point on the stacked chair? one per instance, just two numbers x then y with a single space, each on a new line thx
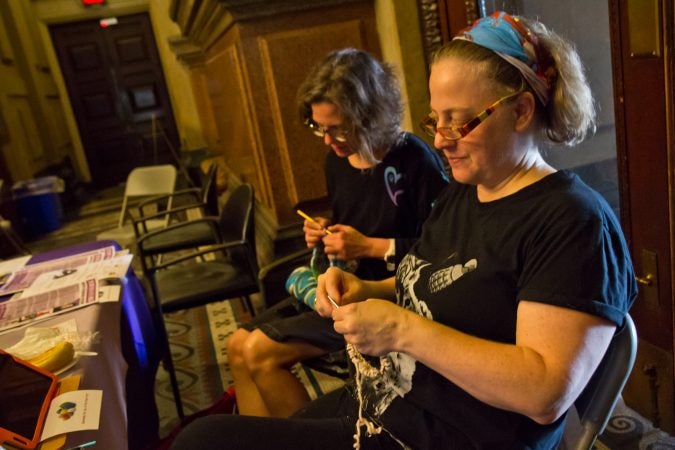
186 203
190 274
142 183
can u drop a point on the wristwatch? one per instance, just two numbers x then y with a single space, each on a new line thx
390 256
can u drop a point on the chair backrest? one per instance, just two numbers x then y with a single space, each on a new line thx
598 399
210 190
146 181
237 222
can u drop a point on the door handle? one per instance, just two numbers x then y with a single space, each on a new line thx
647 280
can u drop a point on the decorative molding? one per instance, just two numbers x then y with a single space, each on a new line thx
668 26
203 22
471 11
44 68
250 9
431 27
5 56
186 52
619 115
435 21
210 23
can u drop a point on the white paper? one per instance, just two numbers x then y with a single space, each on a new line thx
19 311
73 411
11 265
21 279
114 268
57 291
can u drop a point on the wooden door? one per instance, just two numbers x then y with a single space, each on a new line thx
642 37
118 94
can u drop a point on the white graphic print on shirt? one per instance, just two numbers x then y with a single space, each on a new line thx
397 381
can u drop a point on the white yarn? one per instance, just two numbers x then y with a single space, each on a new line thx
364 368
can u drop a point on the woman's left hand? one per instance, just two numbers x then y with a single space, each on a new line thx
374 327
346 243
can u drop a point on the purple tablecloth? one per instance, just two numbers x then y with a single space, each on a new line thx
126 364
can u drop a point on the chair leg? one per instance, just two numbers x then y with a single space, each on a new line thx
168 359
249 305
168 363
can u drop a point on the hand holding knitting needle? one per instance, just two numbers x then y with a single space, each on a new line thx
332 302
312 220
336 289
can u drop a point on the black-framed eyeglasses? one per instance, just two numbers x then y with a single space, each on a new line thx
334 132
429 123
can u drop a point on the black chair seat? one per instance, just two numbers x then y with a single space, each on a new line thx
190 236
180 231
196 273
199 284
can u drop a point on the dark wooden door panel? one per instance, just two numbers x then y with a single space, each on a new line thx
117 90
641 110
642 96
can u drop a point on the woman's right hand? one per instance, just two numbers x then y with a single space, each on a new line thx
315 231
343 287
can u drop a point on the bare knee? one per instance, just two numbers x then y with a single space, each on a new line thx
235 346
261 353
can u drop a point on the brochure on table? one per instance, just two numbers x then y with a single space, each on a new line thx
24 277
45 289
8 267
73 411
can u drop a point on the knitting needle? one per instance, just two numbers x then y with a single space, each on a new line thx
302 214
330 299
85 445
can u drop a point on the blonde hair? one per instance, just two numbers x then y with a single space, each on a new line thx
570 113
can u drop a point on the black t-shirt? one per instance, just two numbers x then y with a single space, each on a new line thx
556 242
390 200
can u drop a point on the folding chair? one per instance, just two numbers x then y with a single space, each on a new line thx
142 182
187 204
598 399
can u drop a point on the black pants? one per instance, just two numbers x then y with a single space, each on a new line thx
326 424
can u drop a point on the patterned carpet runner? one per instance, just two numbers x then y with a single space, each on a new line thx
198 339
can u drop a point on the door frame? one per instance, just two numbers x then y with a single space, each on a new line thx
54 12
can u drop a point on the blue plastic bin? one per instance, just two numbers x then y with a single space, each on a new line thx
39 205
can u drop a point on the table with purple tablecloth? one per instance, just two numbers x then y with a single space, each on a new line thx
125 367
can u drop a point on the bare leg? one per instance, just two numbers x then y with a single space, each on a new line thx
269 364
249 401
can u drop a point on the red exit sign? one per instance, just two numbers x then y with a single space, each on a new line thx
93 2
